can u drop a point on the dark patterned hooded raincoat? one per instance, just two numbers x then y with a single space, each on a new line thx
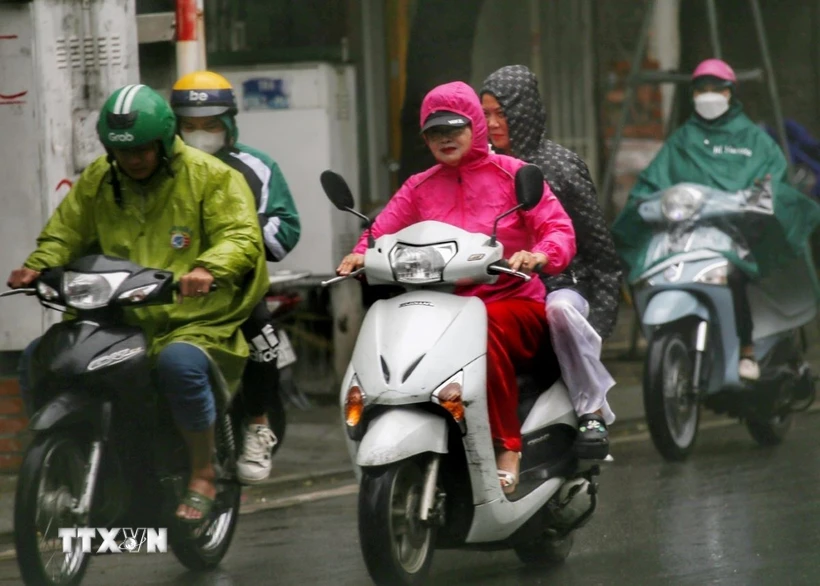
596 270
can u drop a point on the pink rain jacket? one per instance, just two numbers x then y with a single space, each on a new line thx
473 194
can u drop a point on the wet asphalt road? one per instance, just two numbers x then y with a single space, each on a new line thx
734 514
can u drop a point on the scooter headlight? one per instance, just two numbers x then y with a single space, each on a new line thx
716 274
680 203
91 290
419 265
449 396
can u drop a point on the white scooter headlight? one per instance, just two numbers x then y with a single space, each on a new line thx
681 202
419 265
91 290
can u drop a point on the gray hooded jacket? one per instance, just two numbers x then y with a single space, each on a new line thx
595 272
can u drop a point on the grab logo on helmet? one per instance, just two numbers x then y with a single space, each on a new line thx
127 137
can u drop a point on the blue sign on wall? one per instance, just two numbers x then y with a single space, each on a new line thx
264 93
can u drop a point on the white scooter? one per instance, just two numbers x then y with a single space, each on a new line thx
415 410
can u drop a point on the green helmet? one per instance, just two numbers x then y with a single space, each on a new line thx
135 115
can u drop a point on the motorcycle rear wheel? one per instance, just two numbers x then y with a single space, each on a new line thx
770 432
547 550
205 551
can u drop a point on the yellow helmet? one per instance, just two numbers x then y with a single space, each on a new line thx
203 93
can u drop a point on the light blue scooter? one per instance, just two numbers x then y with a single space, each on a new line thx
687 314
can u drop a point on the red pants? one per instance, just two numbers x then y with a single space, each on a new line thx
515 330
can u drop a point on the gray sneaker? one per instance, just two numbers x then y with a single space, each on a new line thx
254 464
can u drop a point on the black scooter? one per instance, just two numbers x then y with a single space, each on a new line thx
106 452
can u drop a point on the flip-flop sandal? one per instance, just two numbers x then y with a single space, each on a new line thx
508 480
198 502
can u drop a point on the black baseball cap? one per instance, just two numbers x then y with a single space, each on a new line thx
445 118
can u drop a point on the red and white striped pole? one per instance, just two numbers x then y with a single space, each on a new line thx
187 43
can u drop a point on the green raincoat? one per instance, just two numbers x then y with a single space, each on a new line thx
728 154
175 222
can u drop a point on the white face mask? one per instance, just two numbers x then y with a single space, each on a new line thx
210 142
711 105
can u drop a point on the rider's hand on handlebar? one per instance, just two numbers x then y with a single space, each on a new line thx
22 277
350 263
197 283
526 261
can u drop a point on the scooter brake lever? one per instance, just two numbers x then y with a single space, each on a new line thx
22 291
335 280
505 268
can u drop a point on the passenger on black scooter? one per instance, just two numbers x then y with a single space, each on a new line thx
158 203
210 125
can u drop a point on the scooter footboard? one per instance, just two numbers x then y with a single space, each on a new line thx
399 434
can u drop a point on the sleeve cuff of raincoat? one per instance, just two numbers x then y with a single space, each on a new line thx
555 263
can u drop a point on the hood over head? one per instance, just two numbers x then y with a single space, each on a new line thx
460 98
516 89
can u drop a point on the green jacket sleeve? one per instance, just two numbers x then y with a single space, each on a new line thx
71 228
280 225
234 239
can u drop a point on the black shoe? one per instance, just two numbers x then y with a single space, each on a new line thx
592 442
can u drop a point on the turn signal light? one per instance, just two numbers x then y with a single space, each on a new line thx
450 398
354 404
448 395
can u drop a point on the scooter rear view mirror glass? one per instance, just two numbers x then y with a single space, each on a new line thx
337 190
529 186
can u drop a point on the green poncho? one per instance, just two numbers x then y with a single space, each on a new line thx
728 154
200 214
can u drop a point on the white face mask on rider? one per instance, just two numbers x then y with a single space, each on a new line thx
210 142
711 105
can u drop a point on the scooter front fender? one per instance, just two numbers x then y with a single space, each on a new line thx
65 410
399 434
670 306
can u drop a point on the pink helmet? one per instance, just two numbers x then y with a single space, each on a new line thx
715 68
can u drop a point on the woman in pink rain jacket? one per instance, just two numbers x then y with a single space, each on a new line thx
469 188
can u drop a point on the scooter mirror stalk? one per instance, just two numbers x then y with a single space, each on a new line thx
339 194
529 188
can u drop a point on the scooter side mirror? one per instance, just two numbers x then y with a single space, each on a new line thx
529 189
339 194
529 186
337 190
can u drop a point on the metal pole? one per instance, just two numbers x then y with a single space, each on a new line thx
771 82
629 98
187 50
713 29
200 34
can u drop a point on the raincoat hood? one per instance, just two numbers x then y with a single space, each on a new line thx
460 98
516 89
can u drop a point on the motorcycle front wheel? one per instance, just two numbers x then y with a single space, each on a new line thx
397 547
672 409
50 480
